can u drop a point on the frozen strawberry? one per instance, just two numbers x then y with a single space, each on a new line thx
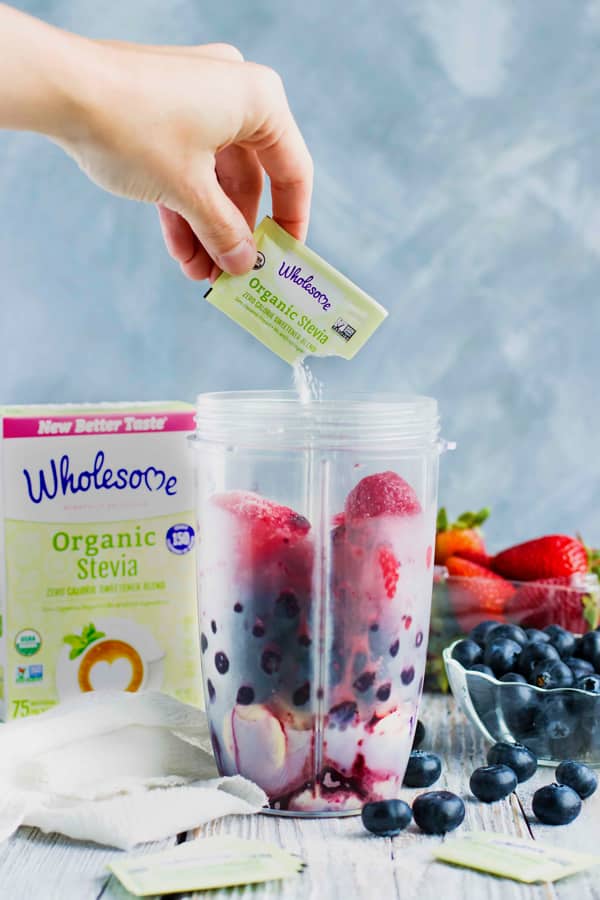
460 538
268 524
554 601
383 494
553 556
476 593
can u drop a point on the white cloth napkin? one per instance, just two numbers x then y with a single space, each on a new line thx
115 768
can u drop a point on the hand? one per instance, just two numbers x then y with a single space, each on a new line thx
193 129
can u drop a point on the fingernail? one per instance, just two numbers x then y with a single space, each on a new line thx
240 259
214 274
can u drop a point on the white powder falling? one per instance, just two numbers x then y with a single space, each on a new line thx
306 384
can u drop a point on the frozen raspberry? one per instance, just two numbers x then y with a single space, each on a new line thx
379 495
390 569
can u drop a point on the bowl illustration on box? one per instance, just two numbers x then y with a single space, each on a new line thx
109 654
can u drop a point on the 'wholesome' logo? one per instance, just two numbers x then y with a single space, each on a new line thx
306 282
60 480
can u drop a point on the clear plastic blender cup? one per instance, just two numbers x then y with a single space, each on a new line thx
316 524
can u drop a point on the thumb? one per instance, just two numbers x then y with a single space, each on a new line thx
220 226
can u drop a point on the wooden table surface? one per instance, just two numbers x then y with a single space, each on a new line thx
343 861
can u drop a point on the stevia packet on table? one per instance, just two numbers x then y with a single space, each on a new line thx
296 303
510 857
204 864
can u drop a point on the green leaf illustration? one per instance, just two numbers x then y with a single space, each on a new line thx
79 643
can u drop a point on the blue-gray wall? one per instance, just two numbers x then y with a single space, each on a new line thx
457 154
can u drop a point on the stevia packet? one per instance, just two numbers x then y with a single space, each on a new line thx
203 864
510 857
295 303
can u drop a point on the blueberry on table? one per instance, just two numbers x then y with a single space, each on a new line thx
551 673
467 653
478 634
501 655
589 683
517 757
480 667
438 812
514 677
579 667
505 630
582 779
492 783
532 654
423 769
589 648
419 735
564 641
535 635
556 804
386 818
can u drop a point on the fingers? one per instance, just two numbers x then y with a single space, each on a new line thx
183 245
241 177
290 169
218 224
214 51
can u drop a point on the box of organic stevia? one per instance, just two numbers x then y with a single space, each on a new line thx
97 541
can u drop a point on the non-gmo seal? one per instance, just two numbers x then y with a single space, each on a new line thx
180 538
28 642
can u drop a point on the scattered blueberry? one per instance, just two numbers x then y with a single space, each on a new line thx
245 695
517 757
589 648
270 661
590 683
532 654
419 735
480 667
467 653
505 630
535 635
213 626
579 667
514 677
419 639
344 712
258 630
288 602
582 779
407 675
561 639
364 682
552 673
221 663
501 655
386 818
437 812
394 648
491 783
302 694
211 690
203 642
238 608
383 692
423 769
556 804
478 634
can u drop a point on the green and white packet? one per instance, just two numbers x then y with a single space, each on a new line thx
510 857
203 864
295 303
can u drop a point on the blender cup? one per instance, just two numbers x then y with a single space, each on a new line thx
317 525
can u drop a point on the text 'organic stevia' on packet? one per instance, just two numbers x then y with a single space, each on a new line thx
510 857
203 864
295 302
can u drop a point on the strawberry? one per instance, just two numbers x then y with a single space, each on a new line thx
460 538
479 594
561 601
383 494
553 556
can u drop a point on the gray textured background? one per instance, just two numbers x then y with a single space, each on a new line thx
457 154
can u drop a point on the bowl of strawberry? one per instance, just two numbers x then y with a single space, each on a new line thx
535 687
551 580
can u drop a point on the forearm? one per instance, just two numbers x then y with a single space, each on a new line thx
41 78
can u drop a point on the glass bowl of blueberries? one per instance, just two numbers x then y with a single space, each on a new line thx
540 688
